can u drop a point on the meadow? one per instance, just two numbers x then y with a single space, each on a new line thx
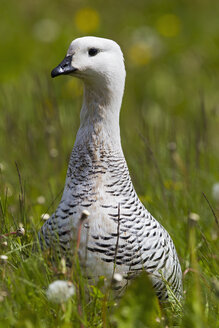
169 130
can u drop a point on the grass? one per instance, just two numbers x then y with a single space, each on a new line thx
169 130
170 173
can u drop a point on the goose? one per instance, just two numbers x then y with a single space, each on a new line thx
119 236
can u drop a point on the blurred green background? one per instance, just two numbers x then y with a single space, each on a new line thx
171 56
169 123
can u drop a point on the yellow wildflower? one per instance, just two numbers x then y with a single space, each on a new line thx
87 20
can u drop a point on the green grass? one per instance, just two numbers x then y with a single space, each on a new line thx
169 130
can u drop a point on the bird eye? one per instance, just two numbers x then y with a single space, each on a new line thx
92 52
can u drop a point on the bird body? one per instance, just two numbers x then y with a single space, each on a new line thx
119 235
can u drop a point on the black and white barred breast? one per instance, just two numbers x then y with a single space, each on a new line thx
119 234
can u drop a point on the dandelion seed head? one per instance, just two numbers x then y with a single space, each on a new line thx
84 215
3 258
45 216
41 199
60 291
215 191
53 152
117 277
8 190
194 217
2 167
46 30
214 234
3 294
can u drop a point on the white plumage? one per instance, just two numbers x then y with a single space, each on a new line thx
119 229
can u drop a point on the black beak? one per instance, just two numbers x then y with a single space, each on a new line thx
64 67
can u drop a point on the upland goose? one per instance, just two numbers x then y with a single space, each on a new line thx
120 235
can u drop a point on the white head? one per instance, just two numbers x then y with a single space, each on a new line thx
97 61
99 64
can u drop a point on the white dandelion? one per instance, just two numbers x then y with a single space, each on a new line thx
117 277
45 216
41 199
60 291
194 217
53 152
46 30
3 259
215 191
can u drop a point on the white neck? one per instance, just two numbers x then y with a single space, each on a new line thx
100 114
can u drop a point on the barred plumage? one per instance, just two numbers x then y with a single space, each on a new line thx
119 229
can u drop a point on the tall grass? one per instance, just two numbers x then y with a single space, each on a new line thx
172 164
169 130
